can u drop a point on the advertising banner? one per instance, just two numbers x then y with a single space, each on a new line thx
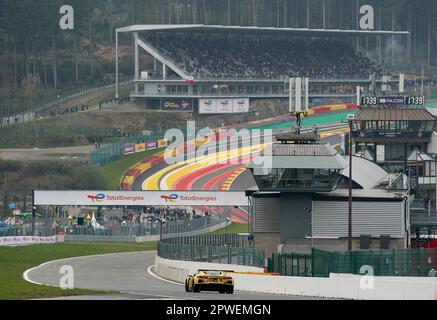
128 148
140 198
224 106
207 106
140 147
181 105
162 143
240 105
392 101
151 145
4 241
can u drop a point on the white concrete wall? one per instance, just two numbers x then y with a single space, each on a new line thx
177 270
343 286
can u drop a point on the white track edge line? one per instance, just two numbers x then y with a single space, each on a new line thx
150 272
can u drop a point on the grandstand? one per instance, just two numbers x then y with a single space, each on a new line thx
203 62
207 56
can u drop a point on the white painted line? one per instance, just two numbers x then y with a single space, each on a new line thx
149 270
26 277
26 273
158 296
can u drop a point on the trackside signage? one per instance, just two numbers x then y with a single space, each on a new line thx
140 198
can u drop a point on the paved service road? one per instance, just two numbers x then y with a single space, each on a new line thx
67 153
127 273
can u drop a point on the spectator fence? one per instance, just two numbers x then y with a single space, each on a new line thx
228 249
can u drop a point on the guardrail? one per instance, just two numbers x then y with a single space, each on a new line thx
193 250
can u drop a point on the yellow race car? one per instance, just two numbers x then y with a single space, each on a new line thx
210 280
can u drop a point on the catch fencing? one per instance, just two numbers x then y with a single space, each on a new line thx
112 231
229 249
115 151
402 262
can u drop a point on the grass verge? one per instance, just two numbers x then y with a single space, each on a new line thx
15 260
233 228
113 171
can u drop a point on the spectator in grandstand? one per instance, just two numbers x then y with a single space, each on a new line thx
203 56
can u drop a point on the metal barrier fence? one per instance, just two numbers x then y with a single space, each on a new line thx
404 262
148 228
113 152
42 228
30 112
181 249
290 264
127 232
230 240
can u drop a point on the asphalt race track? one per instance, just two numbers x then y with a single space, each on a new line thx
128 273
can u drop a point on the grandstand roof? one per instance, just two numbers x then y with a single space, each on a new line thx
394 114
253 30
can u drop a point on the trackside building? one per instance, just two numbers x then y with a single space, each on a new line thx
302 202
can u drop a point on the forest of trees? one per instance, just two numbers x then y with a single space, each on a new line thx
35 54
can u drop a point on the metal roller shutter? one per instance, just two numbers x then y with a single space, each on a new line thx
267 214
330 218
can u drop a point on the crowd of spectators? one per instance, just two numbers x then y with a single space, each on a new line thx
152 215
271 58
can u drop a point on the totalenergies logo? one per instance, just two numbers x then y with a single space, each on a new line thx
171 198
97 198
241 102
208 102
225 102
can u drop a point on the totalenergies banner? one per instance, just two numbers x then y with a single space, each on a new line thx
240 105
224 106
221 106
181 105
140 198
207 106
